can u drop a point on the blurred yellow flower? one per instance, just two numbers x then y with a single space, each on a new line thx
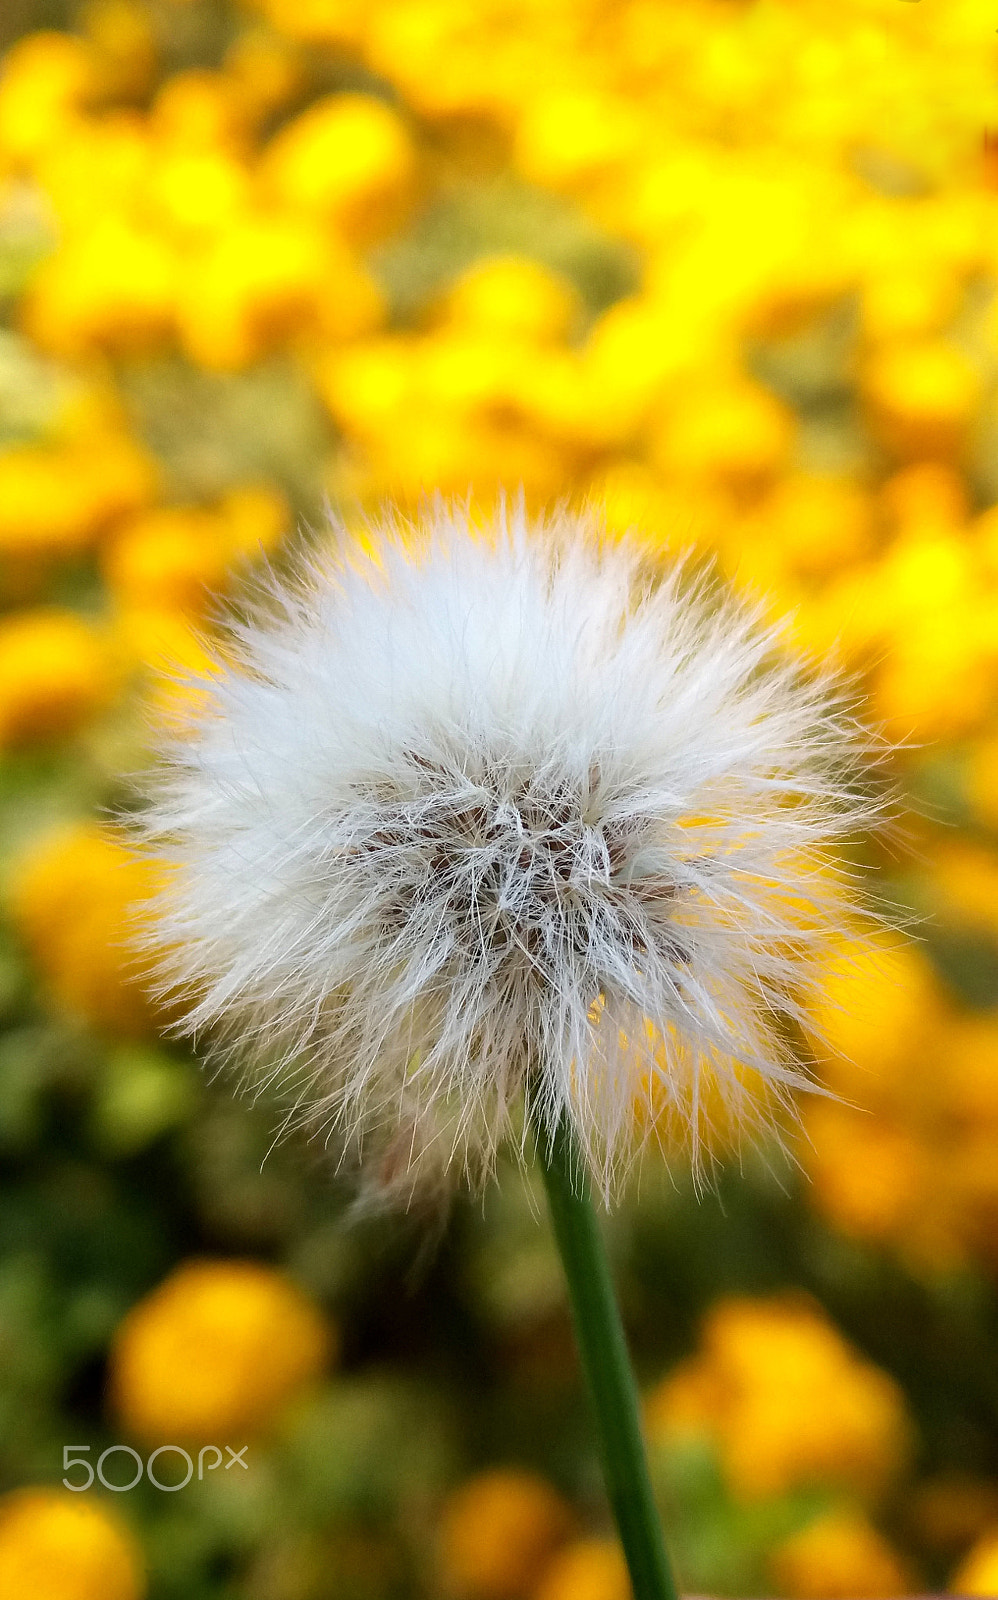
74 897
786 1401
497 1533
55 674
586 1569
349 160
511 297
838 1554
921 397
978 1571
215 1352
45 80
58 1546
175 559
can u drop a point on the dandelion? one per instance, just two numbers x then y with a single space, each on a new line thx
484 832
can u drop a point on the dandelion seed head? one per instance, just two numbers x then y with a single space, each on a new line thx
469 817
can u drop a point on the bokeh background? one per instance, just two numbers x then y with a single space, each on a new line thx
726 268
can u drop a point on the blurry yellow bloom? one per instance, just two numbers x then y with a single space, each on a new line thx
735 433
570 138
497 1532
59 1546
45 79
872 1180
257 518
197 192
786 1400
199 110
962 879
267 69
124 45
640 352
838 1554
348 159
511 297
173 659
74 898
215 1352
336 22
875 1012
55 674
818 523
587 1569
55 501
174 559
921 398
99 168
939 680
924 500
978 1572
265 278
112 287
909 302
982 782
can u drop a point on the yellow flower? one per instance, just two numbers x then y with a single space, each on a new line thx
55 674
174 559
571 138
113 287
45 79
124 46
336 22
875 1014
215 1352
511 297
74 898
587 1569
55 500
840 1553
817 523
872 1179
786 1400
921 397
55 1545
978 1571
497 1533
349 160
199 110
251 287
734 432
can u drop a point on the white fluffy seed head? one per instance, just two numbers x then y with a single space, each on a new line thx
473 817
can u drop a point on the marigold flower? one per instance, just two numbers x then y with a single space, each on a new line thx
479 816
349 160
788 1402
59 1546
840 1553
497 1532
586 1569
73 899
978 1571
216 1350
55 674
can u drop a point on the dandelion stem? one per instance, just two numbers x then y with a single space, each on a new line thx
602 1348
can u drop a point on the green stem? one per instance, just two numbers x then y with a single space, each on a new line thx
602 1347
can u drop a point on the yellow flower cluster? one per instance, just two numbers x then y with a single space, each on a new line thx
786 1401
507 1535
802 383
920 1172
787 1404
